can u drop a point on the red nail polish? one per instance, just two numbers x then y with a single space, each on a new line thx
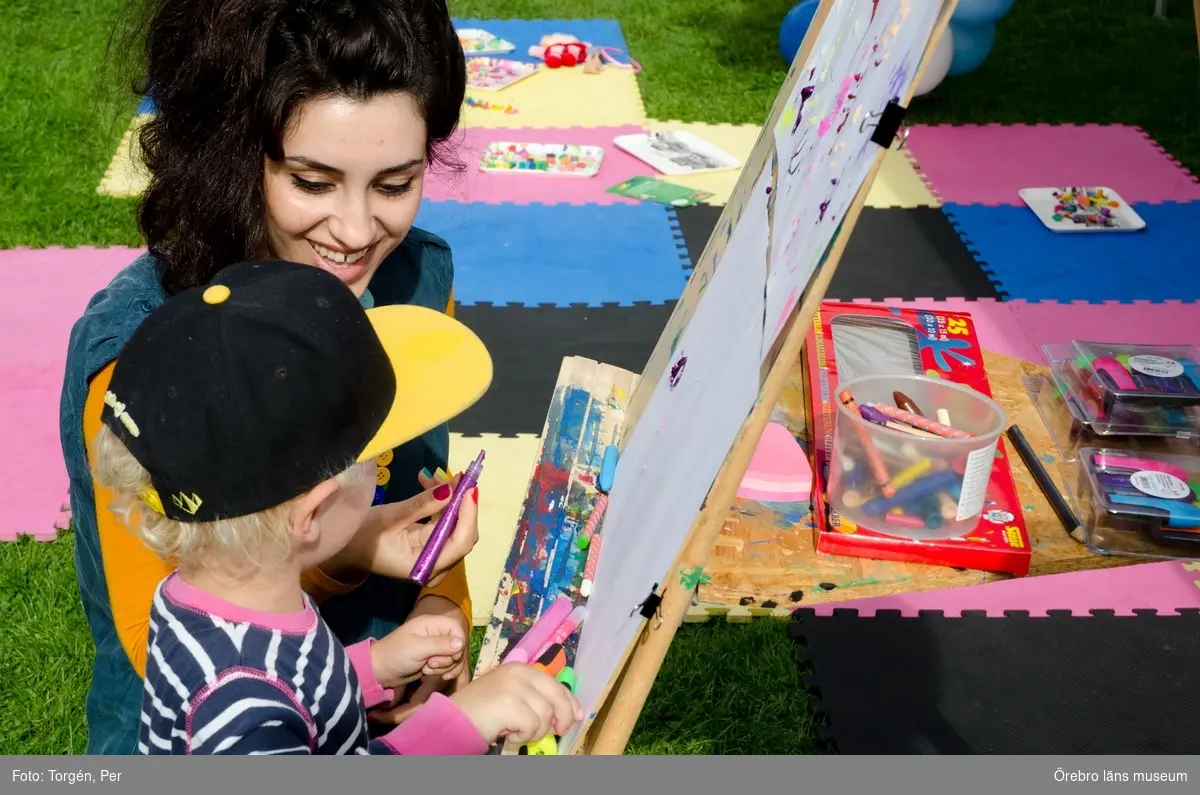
442 492
475 495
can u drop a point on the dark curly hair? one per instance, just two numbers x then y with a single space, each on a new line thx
226 77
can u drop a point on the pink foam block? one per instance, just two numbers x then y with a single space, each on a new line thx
473 185
1020 328
42 293
1163 587
1172 322
988 164
779 470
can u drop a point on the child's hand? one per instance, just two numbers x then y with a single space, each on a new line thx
518 702
423 645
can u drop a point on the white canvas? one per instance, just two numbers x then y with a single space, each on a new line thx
866 54
676 450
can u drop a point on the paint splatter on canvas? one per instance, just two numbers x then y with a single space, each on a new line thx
865 55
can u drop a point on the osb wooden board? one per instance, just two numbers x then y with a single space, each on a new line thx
764 558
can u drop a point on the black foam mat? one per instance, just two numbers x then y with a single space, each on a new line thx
528 344
892 253
696 224
1096 684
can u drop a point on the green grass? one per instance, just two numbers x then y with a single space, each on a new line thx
724 689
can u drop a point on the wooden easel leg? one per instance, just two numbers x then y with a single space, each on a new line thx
1196 14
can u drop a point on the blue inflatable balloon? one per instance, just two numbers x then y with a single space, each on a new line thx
972 43
975 12
795 25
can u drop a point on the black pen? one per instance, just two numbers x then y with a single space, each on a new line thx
1057 501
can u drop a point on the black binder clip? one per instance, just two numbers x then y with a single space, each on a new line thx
649 607
887 124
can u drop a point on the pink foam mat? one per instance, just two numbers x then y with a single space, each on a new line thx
473 185
988 164
1162 587
42 292
1021 328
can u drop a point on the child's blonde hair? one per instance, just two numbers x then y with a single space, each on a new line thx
234 547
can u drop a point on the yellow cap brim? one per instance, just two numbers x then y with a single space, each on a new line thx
441 368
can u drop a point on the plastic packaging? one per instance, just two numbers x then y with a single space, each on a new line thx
1143 504
1131 389
898 479
1068 401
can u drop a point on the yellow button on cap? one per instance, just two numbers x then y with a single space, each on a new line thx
216 294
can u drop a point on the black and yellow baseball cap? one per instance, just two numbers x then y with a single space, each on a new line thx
241 395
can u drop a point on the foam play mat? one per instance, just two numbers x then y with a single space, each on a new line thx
1009 684
552 267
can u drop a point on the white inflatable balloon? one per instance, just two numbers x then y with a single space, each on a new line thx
939 64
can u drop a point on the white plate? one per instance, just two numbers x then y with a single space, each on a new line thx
500 73
498 148
1043 201
677 153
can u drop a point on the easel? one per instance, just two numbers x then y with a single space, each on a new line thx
609 731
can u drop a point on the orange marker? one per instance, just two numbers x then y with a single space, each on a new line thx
553 661
878 469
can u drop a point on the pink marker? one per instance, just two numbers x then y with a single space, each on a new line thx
1112 368
589 568
540 633
1111 461
565 629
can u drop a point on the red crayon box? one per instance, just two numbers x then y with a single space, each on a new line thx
876 340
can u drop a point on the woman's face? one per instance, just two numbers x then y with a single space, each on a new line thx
349 185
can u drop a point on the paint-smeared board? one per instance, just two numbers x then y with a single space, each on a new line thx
586 410
765 554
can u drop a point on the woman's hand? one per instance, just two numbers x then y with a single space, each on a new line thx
392 536
444 675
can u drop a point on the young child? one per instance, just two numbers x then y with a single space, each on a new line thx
239 433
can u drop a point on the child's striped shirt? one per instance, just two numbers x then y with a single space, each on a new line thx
222 679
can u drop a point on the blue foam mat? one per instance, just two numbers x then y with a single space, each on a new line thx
1029 262
561 254
526 33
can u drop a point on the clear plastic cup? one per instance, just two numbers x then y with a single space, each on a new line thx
895 481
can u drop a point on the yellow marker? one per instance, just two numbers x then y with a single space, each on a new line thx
547 746
906 476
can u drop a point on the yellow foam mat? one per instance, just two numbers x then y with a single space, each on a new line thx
701 612
736 139
502 490
897 184
125 178
562 98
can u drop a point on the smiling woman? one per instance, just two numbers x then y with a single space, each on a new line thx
285 129
347 189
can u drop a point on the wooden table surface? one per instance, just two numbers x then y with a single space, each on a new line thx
765 556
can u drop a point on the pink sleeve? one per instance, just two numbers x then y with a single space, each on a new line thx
374 693
437 728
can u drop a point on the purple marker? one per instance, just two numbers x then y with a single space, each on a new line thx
872 414
422 570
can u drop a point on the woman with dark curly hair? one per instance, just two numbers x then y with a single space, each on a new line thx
286 129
